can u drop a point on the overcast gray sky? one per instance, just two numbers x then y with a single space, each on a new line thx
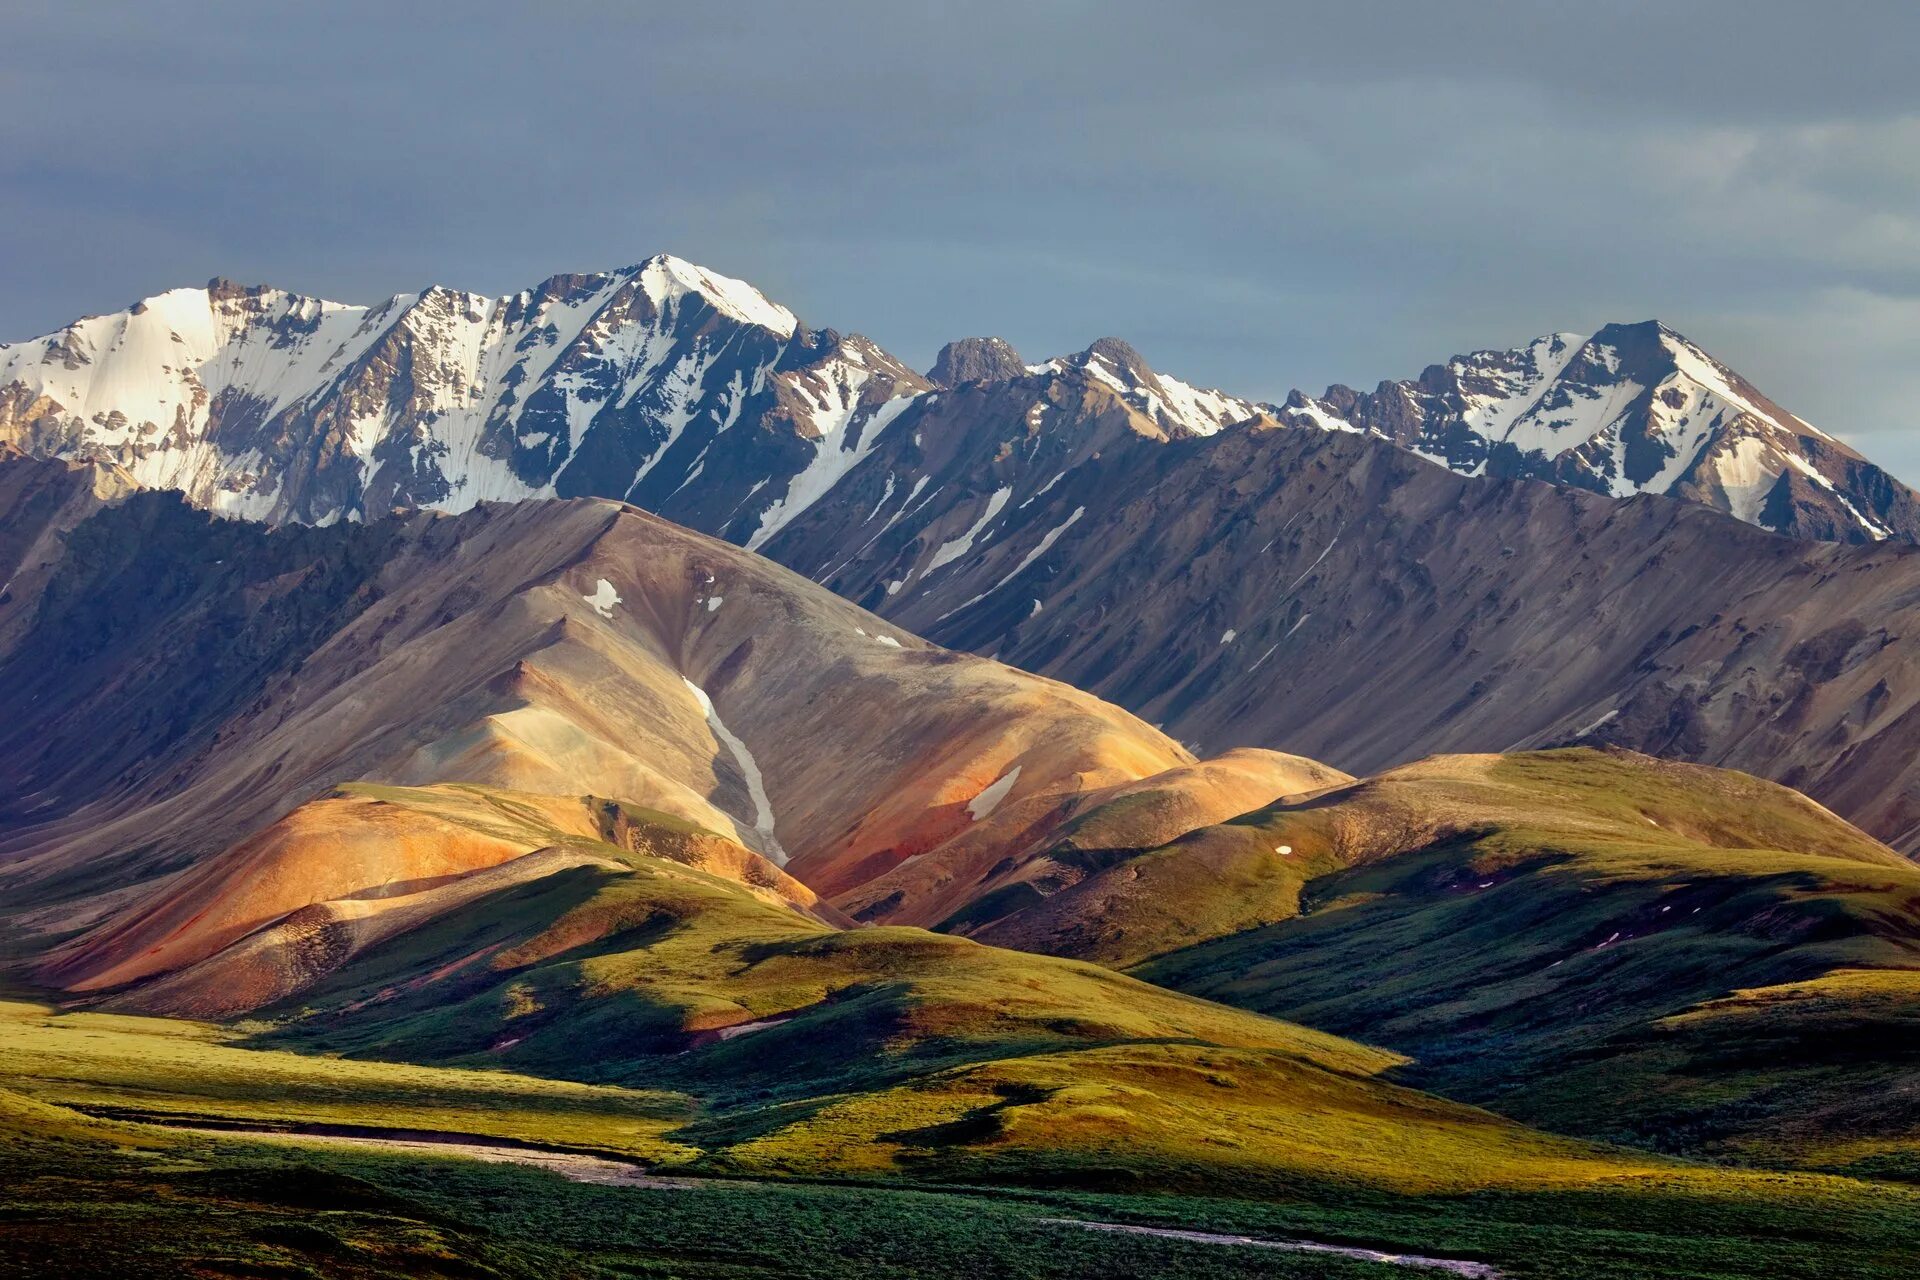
1258 196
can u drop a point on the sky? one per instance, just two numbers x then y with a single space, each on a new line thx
1258 196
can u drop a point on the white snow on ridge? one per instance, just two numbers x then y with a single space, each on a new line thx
756 786
144 386
1315 565
1747 473
478 392
1047 540
1552 430
1874 528
1701 368
678 394
1042 490
1201 410
1324 418
1495 415
135 374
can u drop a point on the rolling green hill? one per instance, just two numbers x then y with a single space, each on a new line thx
892 1050
1597 943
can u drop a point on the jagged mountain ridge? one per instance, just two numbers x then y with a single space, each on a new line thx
691 394
1630 409
268 405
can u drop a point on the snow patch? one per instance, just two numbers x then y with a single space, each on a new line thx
1039 550
603 599
1605 719
667 278
954 548
835 412
987 801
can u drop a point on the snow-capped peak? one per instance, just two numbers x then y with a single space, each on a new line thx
668 279
1631 408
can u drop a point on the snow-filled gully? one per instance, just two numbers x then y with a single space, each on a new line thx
750 768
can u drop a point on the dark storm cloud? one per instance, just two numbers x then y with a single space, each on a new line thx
1259 196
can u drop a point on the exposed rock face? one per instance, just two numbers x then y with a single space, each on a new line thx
976 360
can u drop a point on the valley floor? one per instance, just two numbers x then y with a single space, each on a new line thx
88 1196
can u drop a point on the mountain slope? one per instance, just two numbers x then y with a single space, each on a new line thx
555 649
477 905
281 910
43 503
1329 595
954 508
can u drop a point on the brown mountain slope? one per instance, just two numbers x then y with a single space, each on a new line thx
1331 595
1044 842
281 909
556 648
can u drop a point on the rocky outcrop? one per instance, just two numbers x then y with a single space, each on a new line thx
976 360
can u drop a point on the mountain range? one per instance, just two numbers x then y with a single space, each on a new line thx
1242 574
691 394
620 729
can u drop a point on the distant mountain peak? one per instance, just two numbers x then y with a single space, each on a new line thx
1631 408
1119 354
